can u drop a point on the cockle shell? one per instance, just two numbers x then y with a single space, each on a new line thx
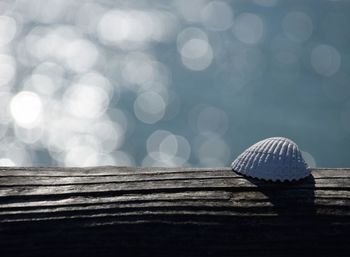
275 158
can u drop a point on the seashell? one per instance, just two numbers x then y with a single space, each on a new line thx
275 158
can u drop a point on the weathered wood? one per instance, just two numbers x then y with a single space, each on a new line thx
118 211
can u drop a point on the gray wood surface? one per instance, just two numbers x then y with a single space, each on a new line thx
120 211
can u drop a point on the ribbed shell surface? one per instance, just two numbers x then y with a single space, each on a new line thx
275 158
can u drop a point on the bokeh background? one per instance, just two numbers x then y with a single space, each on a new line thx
172 83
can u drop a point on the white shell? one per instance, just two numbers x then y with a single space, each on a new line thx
275 158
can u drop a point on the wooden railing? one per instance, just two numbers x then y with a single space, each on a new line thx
119 211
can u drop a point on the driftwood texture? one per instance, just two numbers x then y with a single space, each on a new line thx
118 211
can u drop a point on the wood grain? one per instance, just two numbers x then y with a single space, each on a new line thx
121 211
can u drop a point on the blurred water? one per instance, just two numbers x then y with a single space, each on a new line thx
172 83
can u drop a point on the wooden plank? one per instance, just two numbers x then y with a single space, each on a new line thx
122 211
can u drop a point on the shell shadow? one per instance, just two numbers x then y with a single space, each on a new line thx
296 197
